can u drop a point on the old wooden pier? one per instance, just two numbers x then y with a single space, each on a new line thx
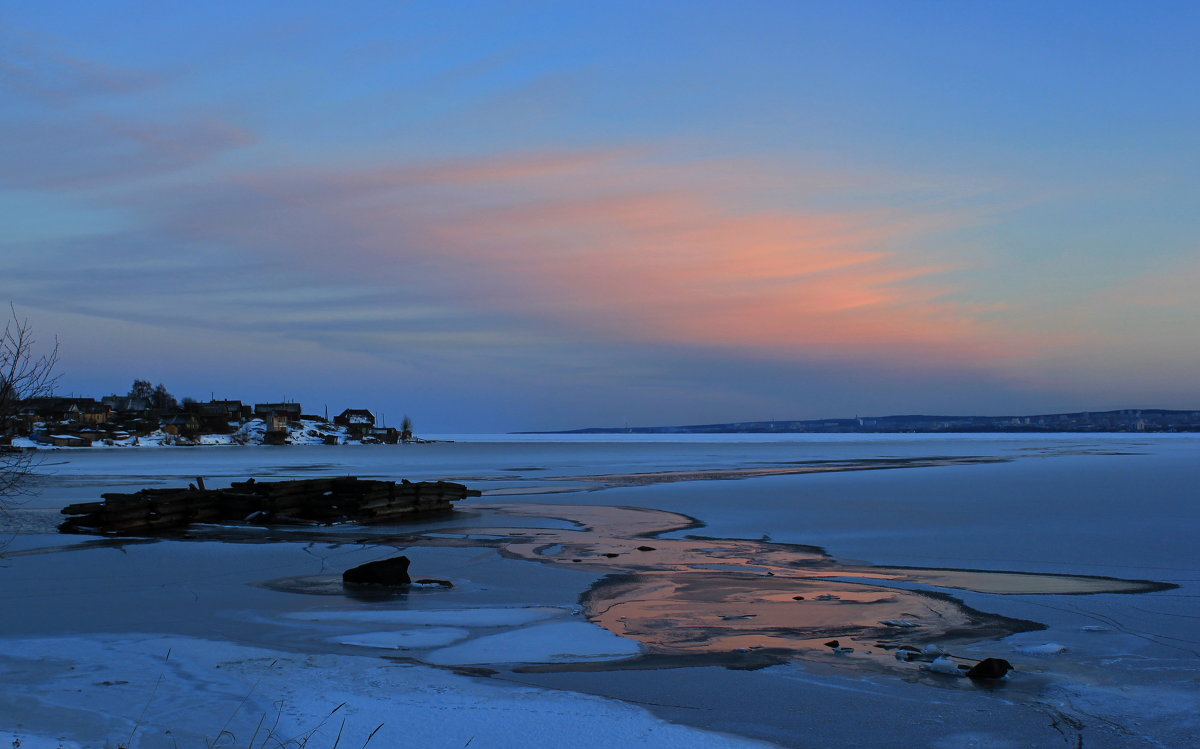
302 502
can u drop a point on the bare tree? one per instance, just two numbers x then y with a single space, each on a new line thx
24 374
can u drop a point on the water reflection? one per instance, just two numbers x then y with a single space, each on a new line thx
706 595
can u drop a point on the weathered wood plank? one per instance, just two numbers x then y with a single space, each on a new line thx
298 501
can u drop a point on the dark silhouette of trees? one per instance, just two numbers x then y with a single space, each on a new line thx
24 373
160 398
156 396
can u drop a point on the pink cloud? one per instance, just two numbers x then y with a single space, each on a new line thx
37 66
610 244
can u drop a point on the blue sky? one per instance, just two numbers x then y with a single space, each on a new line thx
516 215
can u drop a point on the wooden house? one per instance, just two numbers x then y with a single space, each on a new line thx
277 416
355 417
386 435
50 409
233 411
358 422
183 423
219 417
125 404
97 414
292 410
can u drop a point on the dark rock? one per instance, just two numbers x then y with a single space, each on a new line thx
610 555
989 668
833 644
390 572
797 598
645 548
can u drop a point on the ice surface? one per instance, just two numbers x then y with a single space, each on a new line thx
404 639
19 739
542 643
475 617
1116 505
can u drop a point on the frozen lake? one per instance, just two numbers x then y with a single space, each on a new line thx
1109 669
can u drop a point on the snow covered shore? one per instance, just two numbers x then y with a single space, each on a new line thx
160 692
253 432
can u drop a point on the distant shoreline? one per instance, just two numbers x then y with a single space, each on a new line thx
1090 422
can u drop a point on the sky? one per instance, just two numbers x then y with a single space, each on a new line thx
499 216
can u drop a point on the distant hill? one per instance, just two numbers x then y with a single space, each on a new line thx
1126 420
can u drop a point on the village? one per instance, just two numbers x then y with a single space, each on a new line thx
150 417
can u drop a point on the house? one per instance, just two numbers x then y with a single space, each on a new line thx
276 421
232 410
277 417
126 404
97 414
278 412
386 435
291 409
69 440
50 408
219 417
140 427
180 424
355 416
359 422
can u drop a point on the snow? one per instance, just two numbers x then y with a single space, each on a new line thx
944 666
168 691
252 432
1046 648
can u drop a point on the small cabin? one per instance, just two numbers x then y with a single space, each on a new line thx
180 424
126 404
277 417
355 417
291 410
97 414
386 435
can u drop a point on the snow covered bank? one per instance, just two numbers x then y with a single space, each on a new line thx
160 692
252 432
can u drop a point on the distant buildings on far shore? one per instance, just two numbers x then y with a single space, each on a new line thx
129 419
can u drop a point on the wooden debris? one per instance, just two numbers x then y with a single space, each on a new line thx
303 502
